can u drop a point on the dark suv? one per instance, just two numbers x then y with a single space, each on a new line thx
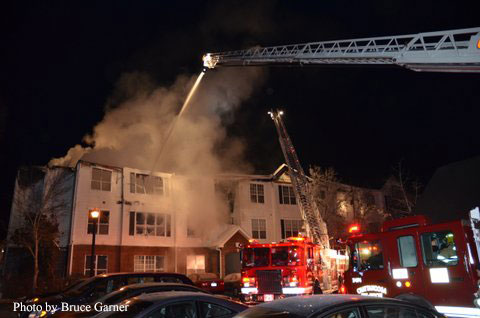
97 286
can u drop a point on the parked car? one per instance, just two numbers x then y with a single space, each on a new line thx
122 294
339 306
100 285
209 282
232 283
177 305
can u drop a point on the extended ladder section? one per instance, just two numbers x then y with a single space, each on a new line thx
455 51
315 226
475 222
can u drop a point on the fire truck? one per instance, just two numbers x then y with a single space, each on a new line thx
298 265
294 266
449 282
413 259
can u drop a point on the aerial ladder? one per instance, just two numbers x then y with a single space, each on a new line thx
314 225
456 51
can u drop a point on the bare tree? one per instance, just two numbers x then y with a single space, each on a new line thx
324 190
39 199
409 186
367 213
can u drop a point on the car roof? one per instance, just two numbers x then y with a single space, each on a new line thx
141 273
306 305
153 284
158 296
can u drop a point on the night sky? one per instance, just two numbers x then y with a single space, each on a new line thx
61 60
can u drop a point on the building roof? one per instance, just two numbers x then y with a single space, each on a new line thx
452 192
227 234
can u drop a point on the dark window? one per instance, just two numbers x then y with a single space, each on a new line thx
395 312
135 306
291 228
101 179
146 184
438 249
154 224
100 265
255 257
349 313
407 251
210 310
259 229
286 195
183 310
102 223
256 193
368 256
287 256
131 229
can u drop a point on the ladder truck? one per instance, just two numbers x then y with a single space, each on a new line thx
298 265
453 51
456 51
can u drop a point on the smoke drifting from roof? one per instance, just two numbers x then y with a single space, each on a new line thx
131 132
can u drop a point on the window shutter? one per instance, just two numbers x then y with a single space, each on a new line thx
282 226
131 230
280 195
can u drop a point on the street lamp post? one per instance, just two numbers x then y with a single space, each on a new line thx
94 214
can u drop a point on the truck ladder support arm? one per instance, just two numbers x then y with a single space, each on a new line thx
455 51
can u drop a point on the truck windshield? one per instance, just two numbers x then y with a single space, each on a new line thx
287 256
367 256
256 257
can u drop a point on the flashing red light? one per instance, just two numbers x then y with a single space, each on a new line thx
343 290
296 238
355 228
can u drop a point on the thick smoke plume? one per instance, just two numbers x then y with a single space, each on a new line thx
132 133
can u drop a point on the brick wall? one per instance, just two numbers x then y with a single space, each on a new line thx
121 258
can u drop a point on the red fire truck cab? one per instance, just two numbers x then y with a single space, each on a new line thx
272 271
433 264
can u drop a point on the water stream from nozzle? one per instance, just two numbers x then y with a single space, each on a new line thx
174 123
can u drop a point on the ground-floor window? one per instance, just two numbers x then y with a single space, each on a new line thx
148 263
100 265
195 264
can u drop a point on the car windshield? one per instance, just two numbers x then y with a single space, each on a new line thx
287 256
113 298
233 277
207 276
256 257
367 255
82 287
135 306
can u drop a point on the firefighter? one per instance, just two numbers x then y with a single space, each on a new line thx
447 250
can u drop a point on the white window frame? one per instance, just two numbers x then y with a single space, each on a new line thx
257 193
286 195
101 182
140 263
289 225
96 270
140 184
259 226
199 262
153 230
99 223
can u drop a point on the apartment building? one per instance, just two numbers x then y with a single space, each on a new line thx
168 222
